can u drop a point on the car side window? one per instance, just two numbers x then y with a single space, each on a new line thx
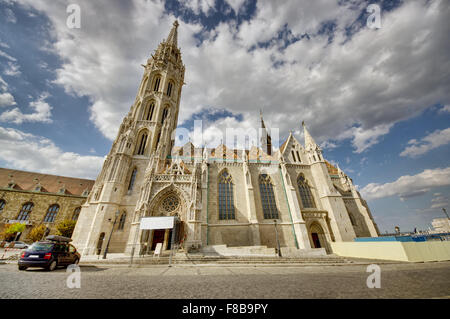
72 249
65 248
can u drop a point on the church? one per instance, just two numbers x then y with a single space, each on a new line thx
253 197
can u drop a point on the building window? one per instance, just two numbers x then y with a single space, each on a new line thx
132 179
24 213
149 112
298 156
226 202
293 156
164 115
169 89
76 213
122 221
142 143
267 197
2 205
51 214
305 193
157 81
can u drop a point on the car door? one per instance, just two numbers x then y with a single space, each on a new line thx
72 255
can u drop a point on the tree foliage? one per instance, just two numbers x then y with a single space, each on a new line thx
65 227
11 230
37 233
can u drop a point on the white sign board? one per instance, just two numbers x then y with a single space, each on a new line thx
158 249
157 222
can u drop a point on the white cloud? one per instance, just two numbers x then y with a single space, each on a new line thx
7 56
42 112
409 186
10 16
235 4
200 6
12 69
428 143
445 109
35 153
6 99
357 88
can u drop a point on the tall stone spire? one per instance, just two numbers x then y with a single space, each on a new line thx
266 140
173 35
309 141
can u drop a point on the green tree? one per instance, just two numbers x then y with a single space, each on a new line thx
37 232
65 227
11 230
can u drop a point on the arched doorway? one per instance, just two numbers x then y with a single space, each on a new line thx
169 202
317 236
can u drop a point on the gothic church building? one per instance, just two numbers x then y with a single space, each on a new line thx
222 196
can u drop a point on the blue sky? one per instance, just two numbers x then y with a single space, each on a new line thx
377 100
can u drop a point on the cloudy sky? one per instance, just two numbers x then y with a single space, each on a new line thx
377 100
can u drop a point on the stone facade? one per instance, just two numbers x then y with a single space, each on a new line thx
313 203
18 188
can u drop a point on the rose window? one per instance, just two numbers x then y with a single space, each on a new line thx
170 203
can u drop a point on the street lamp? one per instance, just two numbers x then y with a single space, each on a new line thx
276 236
109 239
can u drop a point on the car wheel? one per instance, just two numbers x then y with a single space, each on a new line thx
52 265
23 267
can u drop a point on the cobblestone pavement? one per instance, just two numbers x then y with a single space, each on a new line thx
419 280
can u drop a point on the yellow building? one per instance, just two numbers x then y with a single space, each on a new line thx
34 199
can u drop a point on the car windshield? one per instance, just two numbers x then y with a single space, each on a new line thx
41 247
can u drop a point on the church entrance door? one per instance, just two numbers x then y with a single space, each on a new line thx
316 241
158 237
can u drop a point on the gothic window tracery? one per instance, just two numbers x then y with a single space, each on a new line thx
305 193
226 201
148 114
170 203
169 89
164 115
267 197
157 82
132 179
142 143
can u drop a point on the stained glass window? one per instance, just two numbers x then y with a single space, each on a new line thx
305 192
226 202
267 197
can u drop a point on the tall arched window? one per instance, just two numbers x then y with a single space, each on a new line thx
122 221
267 197
305 192
164 115
132 179
142 142
169 89
24 213
76 213
157 82
2 205
148 112
226 202
51 213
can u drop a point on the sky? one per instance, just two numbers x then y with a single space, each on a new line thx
377 100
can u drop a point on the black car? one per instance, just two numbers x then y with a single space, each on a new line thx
50 253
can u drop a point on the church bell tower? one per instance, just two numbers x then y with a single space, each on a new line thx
143 142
